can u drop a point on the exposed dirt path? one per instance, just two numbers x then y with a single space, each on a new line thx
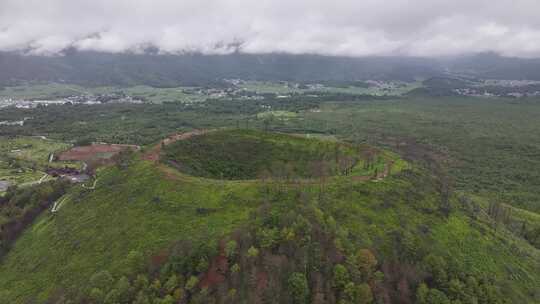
154 153
92 187
58 203
38 182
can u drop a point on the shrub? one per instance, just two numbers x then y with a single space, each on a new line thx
298 287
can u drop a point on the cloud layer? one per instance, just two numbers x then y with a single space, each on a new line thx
339 27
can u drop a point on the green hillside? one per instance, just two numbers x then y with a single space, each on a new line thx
382 231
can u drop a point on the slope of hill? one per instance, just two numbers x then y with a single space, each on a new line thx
149 233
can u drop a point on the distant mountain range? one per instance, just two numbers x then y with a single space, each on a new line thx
93 68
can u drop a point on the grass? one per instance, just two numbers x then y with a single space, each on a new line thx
32 149
23 159
66 248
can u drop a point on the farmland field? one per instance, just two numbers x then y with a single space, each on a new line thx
23 159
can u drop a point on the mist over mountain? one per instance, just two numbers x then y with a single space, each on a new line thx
98 68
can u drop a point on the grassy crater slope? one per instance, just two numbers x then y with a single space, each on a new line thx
249 154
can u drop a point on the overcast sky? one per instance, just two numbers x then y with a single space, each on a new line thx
332 27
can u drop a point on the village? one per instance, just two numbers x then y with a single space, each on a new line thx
86 99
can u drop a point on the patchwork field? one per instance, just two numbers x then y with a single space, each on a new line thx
23 159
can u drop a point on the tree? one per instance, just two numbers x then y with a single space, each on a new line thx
141 282
167 300
268 237
350 292
341 276
202 265
102 280
422 294
298 287
235 268
366 262
96 296
171 284
156 287
124 289
141 298
112 297
363 294
192 283
134 262
436 296
252 252
436 266
230 249
178 294
456 289
231 293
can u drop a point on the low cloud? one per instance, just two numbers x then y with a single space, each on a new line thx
349 28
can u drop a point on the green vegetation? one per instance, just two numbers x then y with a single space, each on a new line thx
277 114
156 95
98 230
349 88
489 146
449 216
19 207
248 154
24 159
146 93
150 233
266 87
41 91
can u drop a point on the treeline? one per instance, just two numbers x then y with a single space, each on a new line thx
19 208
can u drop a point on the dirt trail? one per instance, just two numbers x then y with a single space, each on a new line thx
58 203
154 153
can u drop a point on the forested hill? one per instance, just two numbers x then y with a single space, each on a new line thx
91 68
94 68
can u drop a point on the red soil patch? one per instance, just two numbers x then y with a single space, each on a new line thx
159 259
217 270
262 281
94 151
